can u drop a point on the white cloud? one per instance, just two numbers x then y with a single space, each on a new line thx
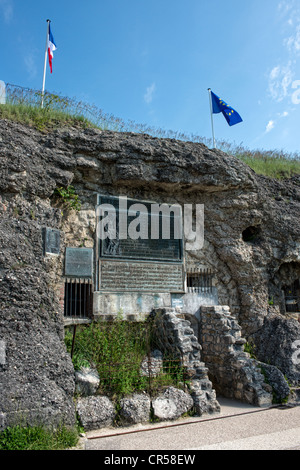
272 123
148 96
284 6
7 10
30 65
296 94
281 77
270 126
293 41
280 80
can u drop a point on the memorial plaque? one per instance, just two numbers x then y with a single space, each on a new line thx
146 247
51 241
131 276
79 262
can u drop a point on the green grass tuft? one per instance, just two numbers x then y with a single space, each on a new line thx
274 165
41 119
37 438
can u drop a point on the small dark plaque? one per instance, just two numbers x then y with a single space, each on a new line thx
79 262
51 241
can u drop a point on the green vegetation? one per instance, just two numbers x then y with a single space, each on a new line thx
24 105
250 349
68 197
41 119
272 164
116 349
37 438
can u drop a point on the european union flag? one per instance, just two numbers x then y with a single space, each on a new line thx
219 106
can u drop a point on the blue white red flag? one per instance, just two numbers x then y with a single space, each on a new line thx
51 47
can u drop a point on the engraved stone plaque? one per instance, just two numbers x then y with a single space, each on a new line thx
51 241
79 262
121 276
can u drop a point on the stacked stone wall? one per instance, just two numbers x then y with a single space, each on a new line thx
232 371
175 336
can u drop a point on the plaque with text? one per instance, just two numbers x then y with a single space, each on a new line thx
51 241
140 215
132 276
79 262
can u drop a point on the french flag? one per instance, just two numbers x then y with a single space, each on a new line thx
51 47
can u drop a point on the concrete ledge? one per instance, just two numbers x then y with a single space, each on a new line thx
132 303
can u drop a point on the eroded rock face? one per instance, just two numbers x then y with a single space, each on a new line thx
252 241
278 343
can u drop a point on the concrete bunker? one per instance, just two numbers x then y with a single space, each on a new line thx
36 286
136 276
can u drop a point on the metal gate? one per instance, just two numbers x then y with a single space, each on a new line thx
78 298
199 280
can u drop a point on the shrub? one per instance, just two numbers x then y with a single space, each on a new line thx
116 349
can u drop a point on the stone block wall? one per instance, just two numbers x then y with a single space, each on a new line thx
233 373
174 335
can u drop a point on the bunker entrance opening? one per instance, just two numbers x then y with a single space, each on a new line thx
292 297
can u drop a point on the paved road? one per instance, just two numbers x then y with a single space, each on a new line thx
238 427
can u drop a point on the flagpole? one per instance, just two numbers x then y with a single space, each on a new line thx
45 62
212 119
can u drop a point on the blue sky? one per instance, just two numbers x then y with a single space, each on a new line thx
152 61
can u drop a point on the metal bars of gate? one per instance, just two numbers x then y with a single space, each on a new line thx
78 298
199 280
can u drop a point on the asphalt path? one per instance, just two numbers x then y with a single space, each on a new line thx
237 427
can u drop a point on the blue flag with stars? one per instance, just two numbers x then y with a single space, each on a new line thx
219 106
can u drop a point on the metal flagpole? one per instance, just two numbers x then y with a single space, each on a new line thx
45 62
212 119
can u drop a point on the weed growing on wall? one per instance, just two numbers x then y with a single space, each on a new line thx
68 197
